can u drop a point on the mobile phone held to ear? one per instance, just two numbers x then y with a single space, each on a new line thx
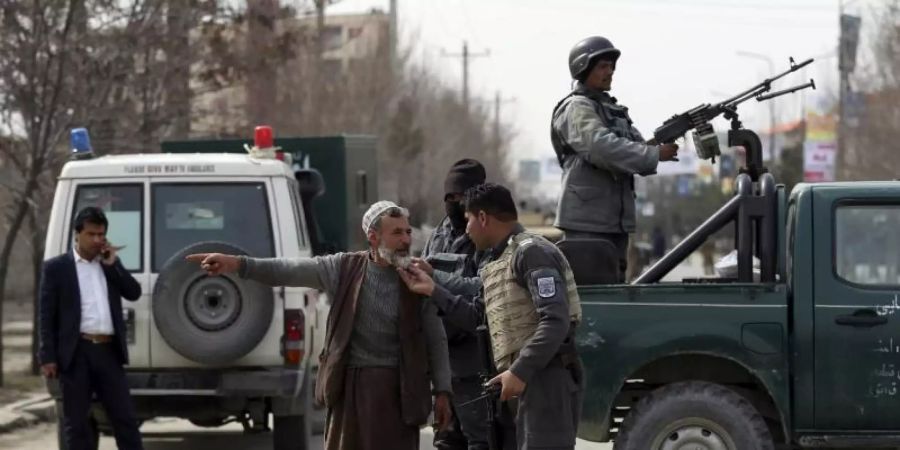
105 253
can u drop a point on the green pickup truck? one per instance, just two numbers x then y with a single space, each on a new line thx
804 352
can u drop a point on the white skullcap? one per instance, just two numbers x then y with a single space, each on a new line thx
375 211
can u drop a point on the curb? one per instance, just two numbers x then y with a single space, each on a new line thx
11 421
29 412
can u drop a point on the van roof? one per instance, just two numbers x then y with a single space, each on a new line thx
175 165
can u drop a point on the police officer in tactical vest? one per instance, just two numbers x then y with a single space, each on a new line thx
599 151
532 311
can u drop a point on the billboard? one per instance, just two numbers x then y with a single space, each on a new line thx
820 147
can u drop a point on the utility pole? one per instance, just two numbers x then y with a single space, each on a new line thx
465 55
393 35
847 44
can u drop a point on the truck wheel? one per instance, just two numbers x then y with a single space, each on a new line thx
291 433
210 320
61 434
693 414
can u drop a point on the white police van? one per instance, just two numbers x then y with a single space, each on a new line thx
212 350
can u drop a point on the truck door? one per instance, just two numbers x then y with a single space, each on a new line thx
857 309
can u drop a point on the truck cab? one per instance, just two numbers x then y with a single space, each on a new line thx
803 354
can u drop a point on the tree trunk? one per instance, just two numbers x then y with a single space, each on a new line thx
316 109
179 20
262 76
21 210
37 259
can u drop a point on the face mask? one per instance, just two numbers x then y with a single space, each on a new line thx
456 213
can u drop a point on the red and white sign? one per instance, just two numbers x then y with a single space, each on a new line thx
818 161
820 148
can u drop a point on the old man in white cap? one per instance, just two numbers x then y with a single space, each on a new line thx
385 349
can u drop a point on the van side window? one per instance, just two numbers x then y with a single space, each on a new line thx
866 239
123 205
185 214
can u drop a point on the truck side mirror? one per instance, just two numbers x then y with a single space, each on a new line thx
312 184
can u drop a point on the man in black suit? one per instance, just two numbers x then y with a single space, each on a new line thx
83 333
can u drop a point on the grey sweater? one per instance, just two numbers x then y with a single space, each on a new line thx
375 341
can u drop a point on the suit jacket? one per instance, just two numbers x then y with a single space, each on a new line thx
60 308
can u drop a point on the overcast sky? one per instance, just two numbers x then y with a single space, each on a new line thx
675 53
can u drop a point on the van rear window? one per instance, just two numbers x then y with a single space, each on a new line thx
185 214
123 205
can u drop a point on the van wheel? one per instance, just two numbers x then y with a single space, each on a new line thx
61 434
210 320
693 414
291 433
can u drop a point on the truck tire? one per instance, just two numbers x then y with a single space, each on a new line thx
210 320
291 433
61 436
693 414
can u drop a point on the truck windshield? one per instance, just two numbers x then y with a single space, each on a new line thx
185 214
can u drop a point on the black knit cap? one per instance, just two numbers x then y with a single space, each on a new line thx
464 174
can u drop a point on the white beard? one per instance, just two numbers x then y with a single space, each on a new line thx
394 258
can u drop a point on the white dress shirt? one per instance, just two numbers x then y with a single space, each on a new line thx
95 314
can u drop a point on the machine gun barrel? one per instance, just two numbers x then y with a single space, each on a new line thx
764 86
772 95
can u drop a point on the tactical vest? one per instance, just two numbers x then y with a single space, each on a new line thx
511 315
614 116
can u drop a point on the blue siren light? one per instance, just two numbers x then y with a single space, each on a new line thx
80 142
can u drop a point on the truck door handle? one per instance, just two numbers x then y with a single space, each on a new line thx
861 318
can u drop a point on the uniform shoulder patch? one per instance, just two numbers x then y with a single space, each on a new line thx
546 287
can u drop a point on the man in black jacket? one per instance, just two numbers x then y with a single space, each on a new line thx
469 428
83 334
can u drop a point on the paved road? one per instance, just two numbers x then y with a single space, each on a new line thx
172 434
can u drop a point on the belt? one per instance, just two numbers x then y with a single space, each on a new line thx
97 338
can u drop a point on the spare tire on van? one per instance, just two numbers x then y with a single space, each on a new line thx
210 320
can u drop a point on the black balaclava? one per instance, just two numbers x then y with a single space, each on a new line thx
464 174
